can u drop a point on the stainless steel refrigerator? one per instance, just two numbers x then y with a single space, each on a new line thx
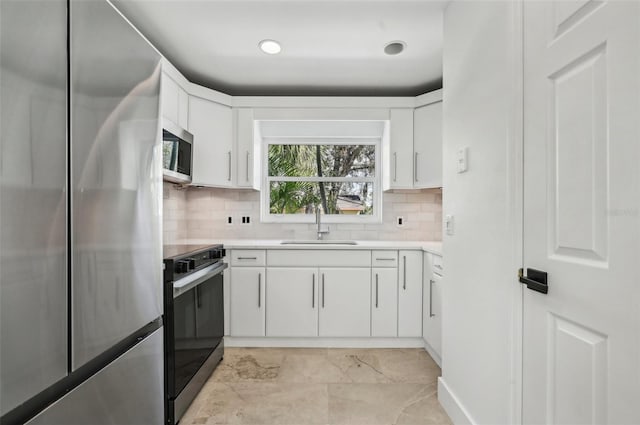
80 216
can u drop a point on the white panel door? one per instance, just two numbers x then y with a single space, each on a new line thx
427 146
292 302
581 362
410 294
384 301
212 127
247 301
345 296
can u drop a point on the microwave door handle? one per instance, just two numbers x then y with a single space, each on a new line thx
175 150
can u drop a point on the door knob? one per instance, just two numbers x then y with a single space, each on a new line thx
535 280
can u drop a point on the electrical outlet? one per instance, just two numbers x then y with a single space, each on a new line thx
245 219
400 221
229 221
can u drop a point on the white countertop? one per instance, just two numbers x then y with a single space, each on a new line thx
434 247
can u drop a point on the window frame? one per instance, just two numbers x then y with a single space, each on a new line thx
265 194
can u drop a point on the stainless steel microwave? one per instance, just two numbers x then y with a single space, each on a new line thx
177 153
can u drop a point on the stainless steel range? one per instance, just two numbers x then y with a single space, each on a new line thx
194 321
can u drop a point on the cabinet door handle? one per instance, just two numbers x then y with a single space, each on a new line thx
376 290
247 258
395 166
198 303
247 166
415 166
431 282
313 290
259 290
229 173
322 290
404 272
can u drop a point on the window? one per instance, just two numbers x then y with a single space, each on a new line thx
338 176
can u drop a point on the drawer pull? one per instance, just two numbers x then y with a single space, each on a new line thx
247 258
385 259
395 166
247 166
431 282
404 273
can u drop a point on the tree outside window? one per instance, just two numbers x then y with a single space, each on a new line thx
338 178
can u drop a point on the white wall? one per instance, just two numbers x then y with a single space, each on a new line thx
480 259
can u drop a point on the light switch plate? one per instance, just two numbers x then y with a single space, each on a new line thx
462 160
448 224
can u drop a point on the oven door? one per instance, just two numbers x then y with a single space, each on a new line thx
198 325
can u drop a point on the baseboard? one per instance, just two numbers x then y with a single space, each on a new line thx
318 342
436 358
452 405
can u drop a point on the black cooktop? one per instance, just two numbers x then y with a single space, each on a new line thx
175 251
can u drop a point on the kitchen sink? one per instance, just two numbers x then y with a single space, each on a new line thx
318 242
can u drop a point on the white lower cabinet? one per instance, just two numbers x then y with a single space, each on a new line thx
432 306
314 293
292 302
345 296
410 294
247 301
436 314
384 302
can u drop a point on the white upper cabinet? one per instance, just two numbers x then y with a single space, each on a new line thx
211 124
400 149
427 146
412 148
247 149
175 102
183 109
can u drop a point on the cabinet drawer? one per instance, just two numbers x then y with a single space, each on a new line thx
248 257
318 258
384 258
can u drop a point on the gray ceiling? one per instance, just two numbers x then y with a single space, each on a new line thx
328 47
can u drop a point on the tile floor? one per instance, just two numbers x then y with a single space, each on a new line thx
299 386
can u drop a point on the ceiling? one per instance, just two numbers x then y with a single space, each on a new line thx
332 48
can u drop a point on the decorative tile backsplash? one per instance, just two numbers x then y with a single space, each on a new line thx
202 213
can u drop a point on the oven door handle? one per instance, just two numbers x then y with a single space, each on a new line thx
183 285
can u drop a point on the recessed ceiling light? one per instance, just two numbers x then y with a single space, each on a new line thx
395 47
270 47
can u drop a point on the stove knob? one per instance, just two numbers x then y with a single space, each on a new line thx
191 262
182 266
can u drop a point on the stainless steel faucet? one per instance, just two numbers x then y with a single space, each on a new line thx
319 222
